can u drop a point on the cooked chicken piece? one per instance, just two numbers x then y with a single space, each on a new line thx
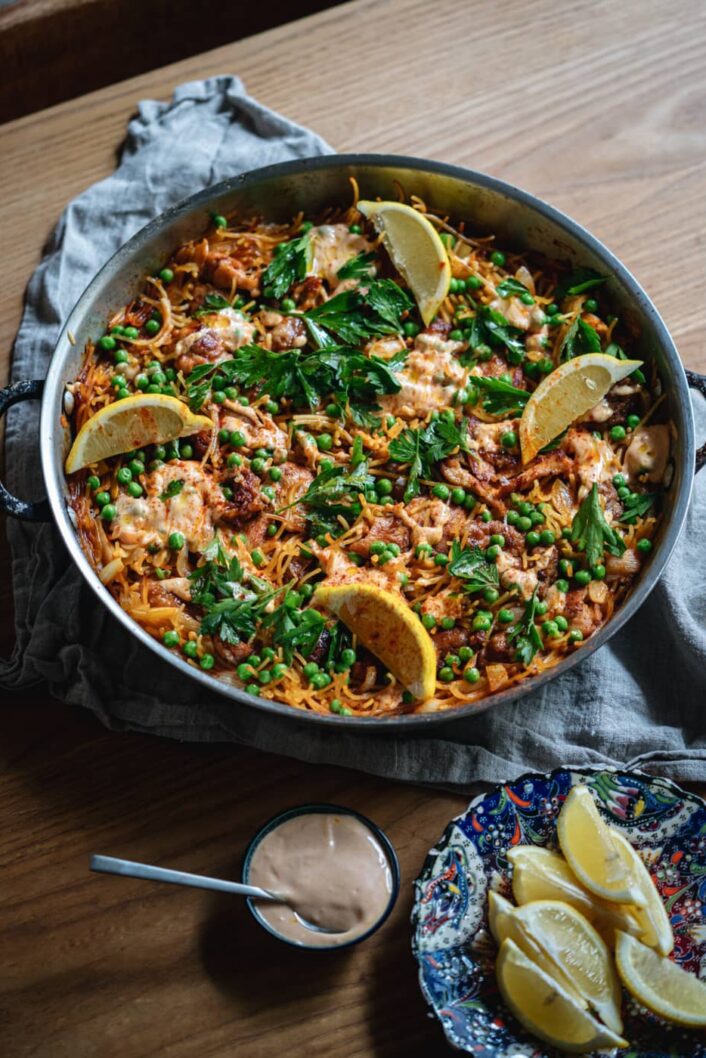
595 459
625 565
431 375
257 427
385 527
331 246
219 334
648 453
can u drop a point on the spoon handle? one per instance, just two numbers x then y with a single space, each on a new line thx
111 865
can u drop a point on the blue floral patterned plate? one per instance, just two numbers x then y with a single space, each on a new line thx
451 943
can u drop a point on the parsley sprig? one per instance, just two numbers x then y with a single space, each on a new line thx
172 489
591 532
287 266
525 634
423 448
294 629
637 505
490 328
581 337
356 316
358 267
473 568
579 282
232 611
500 397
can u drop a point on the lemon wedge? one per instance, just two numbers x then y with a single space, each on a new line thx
578 954
596 860
659 984
652 919
545 1008
388 628
416 250
565 395
504 924
541 874
142 419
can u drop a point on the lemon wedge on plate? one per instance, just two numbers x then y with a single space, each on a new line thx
595 858
133 422
545 1008
541 874
416 250
565 395
659 984
504 924
652 919
388 628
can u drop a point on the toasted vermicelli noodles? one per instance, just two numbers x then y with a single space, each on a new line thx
351 443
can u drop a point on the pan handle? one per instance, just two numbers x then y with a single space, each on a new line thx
698 382
23 509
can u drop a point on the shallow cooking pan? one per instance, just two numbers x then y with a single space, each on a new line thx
278 192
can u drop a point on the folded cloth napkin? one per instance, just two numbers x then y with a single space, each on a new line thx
639 700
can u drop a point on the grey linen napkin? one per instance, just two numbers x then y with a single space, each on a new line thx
640 699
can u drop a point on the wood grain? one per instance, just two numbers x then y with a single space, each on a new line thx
597 108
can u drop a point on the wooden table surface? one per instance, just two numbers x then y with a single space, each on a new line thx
596 107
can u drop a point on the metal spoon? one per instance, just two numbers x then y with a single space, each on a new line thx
131 869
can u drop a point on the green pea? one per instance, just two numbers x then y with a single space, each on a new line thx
441 560
124 475
448 239
190 649
561 622
598 572
320 681
152 388
582 576
166 275
152 327
575 635
545 366
120 357
633 421
623 492
512 517
207 661
498 538
244 671
469 502
142 382
134 489
155 464
530 369
255 660
508 439
258 557
482 621
446 675
421 550
551 310
219 221
324 442
524 523
441 491
566 533
550 628
108 512
486 516
171 639
491 595
176 541
532 538
497 258
547 538
428 620
590 305
377 547
102 498
257 466
410 329
465 654
107 343
288 304
310 669
541 607
93 482
218 397
473 282
131 332
458 495
644 546
456 336
526 298
447 623
355 229
348 657
492 552
471 674
252 688
383 486
562 585
505 617
244 402
565 567
394 549
617 433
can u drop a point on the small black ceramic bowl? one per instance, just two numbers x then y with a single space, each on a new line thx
324 809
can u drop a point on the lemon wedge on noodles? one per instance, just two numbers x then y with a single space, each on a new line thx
659 984
545 1008
388 628
133 422
565 395
416 250
594 856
